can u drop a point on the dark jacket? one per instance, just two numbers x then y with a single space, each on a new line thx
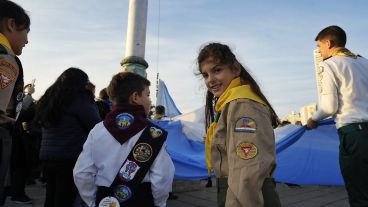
64 141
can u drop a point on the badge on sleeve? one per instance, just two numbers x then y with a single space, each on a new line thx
155 132
142 152
124 120
128 171
109 202
245 124
122 193
246 150
9 65
5 79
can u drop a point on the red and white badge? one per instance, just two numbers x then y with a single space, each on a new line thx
5 79
246 150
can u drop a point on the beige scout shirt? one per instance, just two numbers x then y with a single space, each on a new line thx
9 71
245 154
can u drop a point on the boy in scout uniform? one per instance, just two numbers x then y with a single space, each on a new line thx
124 161
240 143
344 81
14 28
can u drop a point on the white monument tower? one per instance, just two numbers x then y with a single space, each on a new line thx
136 38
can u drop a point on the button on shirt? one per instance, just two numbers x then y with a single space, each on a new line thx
103 156
344 90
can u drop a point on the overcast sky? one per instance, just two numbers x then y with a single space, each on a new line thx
274 39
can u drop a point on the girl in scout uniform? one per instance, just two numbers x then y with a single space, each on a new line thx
124 161
240 143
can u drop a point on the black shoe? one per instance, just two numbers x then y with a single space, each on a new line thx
172 196
24 199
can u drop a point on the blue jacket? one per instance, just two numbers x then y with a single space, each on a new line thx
65 140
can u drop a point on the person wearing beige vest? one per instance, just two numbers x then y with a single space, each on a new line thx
240 143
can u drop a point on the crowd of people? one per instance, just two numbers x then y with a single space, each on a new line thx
107 152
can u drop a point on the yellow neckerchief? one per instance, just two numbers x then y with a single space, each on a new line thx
234 91
4 41
344 52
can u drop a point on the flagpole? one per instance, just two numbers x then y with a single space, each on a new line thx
136 38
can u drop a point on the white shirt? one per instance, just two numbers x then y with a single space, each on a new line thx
344 90
103 156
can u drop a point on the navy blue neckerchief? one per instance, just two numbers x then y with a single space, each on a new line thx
136 166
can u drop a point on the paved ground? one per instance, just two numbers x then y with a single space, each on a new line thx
194 194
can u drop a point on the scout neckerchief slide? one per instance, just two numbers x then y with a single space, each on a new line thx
236 90
133 169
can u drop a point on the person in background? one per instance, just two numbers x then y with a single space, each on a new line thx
67 113
240 141
343 94
103 103
136 171
14 27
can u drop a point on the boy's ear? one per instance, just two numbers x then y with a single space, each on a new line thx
330 44
11 25
133 98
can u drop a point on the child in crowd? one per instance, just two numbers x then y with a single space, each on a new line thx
240 142
124 161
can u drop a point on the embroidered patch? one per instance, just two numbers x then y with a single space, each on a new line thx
122 193
142 152
246 150
124 120
245 124
109 202
5 79
155 132
8 65
128 171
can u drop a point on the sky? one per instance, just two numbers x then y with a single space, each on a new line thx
273 39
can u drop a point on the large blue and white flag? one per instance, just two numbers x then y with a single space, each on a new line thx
164 99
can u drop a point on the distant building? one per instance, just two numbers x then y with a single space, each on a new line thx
293 118
302 117
306 112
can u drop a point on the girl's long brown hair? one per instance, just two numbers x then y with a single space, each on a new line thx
223 54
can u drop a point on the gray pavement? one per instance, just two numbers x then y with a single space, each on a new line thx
194 194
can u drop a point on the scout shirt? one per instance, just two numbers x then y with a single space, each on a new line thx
243 149
344 81
9 71
103 156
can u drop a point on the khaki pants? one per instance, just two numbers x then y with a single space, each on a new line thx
270 195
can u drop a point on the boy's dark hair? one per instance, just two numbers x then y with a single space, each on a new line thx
11 10
160 109
124 84
333 33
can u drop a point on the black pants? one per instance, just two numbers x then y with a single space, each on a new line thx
354 165
60 188
19 167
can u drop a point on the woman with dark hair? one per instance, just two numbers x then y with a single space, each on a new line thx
66 113
240 143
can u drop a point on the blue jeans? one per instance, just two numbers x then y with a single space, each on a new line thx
5 152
